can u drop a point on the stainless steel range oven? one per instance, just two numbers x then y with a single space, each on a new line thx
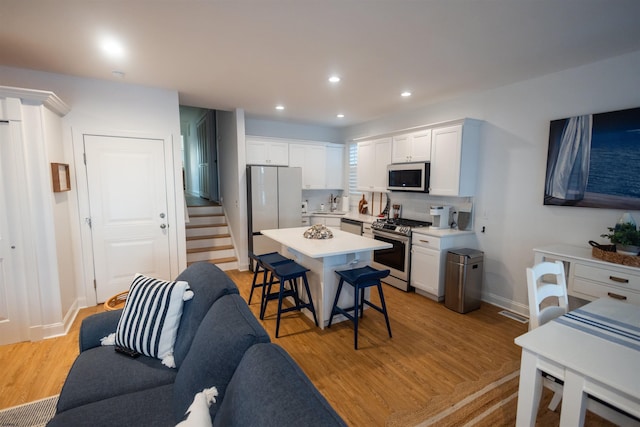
397 258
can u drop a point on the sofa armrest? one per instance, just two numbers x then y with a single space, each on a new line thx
97 326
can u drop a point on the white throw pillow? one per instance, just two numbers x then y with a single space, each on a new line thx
198 412
151 316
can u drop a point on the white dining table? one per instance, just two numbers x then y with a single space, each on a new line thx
595 350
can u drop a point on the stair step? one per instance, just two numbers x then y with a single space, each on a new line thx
205 215
227 263
209 236
203 254
209 249
204 210
188 226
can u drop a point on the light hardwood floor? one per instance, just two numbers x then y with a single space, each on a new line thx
432 350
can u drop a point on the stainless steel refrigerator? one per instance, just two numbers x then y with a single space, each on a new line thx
274 196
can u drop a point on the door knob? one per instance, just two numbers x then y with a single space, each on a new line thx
163 226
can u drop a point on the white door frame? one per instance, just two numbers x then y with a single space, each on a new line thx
175 213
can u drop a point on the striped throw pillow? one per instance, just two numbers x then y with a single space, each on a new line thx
151 316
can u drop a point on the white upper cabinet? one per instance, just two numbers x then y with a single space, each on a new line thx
334 179
264 151
412 147
454 153
312 159
373 158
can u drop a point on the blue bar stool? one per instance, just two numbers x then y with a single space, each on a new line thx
288 272
360 279
271 258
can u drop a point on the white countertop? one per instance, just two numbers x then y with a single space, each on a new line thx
342 242
371 218
440 233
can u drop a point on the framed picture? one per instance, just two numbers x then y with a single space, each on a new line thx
60 176
594 161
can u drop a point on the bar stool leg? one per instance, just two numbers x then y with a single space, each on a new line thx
311 307
266 290
280 292
335 302
384 308
253 283
356 305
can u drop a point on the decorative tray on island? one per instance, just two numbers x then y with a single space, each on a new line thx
318 231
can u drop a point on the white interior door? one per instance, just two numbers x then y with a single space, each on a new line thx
12 319
128 206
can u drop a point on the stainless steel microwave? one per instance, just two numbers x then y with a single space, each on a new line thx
408 177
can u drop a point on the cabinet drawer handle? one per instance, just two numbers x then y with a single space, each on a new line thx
424 241
618 279
616 296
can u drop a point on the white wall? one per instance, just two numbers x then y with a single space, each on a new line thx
509 197
232 173
113 107
282 129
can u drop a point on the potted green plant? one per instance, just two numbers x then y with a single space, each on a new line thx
626 237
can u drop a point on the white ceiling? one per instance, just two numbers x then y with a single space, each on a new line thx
254 54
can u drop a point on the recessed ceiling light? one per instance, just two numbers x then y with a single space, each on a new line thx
334 79
406 93
279 107
340 116
112 47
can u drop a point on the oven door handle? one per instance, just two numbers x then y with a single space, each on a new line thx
390 236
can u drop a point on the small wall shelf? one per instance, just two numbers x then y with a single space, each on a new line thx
60 176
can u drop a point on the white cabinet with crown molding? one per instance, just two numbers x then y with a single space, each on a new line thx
266 151
373 158
334 179
454 159
412 147
312 159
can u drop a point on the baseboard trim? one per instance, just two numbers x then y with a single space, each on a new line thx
57 329
505 303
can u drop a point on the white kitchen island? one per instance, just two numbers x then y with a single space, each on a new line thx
323 257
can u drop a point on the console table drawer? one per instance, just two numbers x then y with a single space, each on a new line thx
607 276
596 290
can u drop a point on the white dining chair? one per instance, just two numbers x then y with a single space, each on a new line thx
542 310
540 290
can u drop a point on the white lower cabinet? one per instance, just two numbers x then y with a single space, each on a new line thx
428 259
425 269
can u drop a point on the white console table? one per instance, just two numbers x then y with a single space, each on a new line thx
592 278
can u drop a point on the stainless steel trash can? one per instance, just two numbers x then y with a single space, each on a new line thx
463 279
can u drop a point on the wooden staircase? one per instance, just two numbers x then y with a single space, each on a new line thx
208 237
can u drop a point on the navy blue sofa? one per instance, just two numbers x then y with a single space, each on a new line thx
219 343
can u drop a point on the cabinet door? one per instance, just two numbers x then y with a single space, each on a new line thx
373 158
311 158
279 153
421 146
446 152
366 160
382 160
263 152
334 167
401 149
425 270
257 152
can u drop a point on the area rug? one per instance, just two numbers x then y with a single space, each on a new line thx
32 414
468 404
491 401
